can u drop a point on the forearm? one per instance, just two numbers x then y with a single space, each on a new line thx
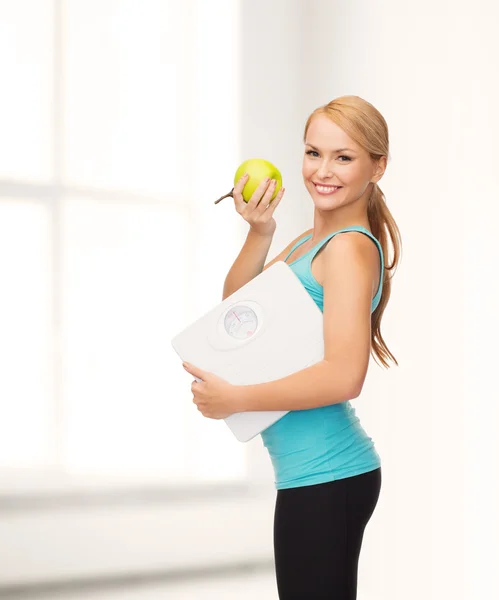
249 262
321 384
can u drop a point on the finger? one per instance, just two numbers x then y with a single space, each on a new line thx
268 195
192 369
271 205
195 383
258 193
241 182
277 199
237 193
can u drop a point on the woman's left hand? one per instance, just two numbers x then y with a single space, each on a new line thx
215 397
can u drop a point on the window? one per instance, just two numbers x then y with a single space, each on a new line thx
117 133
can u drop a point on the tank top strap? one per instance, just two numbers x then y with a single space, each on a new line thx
298 243
316 249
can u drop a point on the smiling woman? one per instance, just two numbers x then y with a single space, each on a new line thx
327 470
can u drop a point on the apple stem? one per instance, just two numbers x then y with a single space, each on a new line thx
226 196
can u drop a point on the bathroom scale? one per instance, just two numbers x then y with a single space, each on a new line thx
268 329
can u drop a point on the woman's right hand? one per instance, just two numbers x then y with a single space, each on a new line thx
258 210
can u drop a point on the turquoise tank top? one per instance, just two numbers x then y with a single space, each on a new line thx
326 443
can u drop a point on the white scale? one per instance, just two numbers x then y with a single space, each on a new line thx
268 329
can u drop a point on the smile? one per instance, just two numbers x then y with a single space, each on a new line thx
327 189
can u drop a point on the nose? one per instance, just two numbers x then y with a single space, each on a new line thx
324 171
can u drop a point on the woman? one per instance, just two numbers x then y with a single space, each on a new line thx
327 470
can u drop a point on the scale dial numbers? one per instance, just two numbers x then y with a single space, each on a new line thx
241 322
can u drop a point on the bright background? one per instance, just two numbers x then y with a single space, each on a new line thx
121 122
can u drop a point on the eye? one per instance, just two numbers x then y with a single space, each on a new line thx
341 156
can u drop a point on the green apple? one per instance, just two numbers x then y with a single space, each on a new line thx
257 169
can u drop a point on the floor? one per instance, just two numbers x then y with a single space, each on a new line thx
260 584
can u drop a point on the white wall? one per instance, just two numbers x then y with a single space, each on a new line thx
430 68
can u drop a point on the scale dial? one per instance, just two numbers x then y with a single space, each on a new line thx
241 322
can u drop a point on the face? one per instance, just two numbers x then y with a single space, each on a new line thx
332 158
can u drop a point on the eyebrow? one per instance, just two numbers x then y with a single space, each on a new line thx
339 149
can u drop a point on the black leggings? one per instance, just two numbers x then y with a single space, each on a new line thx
318 531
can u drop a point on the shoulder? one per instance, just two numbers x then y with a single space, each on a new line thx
354 244
282 255
304 234
352 252
299 238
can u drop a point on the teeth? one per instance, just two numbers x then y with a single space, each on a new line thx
323 188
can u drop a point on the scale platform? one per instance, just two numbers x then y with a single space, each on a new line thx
268 329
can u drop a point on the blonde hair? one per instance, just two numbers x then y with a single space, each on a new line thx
367 127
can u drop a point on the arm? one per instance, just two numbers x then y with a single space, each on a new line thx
249 262
251 259
350 263
318 385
